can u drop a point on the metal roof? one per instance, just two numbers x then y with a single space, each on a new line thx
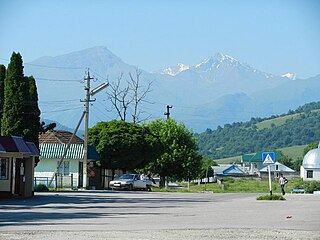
227 170
13 144
281 168
76 151
2 149
312 159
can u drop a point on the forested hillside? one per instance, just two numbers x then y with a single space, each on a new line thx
298 127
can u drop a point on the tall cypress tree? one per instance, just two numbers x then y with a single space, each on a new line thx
31 112
14 89
2 77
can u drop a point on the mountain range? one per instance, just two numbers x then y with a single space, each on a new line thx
217 91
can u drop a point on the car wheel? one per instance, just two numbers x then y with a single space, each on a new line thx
149 188
130 187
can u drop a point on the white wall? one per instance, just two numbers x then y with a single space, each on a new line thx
316 174
47 167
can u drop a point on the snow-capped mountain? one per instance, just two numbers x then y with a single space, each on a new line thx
173 71
217 76
290 76
219 90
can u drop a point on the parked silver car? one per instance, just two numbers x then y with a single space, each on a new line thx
130 182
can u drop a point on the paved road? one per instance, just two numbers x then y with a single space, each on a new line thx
151 215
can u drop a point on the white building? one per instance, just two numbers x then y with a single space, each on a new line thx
310 169
73 170
276 169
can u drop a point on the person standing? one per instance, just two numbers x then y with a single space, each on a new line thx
149 176
282 181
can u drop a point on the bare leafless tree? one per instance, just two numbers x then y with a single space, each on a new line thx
138 94
129 96
119 98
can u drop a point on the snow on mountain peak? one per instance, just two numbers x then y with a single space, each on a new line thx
173 71
221 57
215 61
290 76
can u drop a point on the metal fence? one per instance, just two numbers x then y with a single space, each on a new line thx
59 181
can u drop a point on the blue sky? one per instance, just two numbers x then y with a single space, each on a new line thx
273 36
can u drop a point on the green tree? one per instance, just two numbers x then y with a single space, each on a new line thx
206 165
2 77
21 113
31 111
311 146
123 145
14 89
180 159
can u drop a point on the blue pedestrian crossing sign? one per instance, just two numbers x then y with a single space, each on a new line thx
268 158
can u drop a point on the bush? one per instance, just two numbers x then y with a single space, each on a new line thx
271 197
310 186
41 188
313 186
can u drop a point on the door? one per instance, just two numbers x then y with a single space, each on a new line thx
19 176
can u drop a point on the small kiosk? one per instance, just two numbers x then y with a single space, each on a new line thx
17 160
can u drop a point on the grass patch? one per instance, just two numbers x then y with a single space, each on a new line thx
231 185
276 121
271 197
229 160
294 152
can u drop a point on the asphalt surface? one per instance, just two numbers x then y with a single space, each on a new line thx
151 215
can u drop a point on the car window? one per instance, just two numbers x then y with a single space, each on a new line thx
126 176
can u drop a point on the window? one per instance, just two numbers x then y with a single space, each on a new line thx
277 167
309 174
4 168
64 168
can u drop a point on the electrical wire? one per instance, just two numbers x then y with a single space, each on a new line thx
45 66
58 80
62 110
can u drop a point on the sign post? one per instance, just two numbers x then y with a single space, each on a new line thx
269 158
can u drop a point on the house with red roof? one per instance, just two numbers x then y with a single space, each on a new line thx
73 171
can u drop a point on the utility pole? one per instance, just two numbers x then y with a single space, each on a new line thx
86 124
168 111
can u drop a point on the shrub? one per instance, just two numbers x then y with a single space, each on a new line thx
310 186
313 186
41 188
271 197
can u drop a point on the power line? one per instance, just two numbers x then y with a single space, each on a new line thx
63 110
58 80
60 101
45 66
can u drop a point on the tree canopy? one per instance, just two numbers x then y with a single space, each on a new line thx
295 128
123 145
19 102
14 89
179 159
2 77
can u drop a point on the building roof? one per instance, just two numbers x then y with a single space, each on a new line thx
312 159
76 151
59 136
281 168
13 144
2 149
257 157
228 170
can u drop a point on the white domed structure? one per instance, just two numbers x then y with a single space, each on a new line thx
310 169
